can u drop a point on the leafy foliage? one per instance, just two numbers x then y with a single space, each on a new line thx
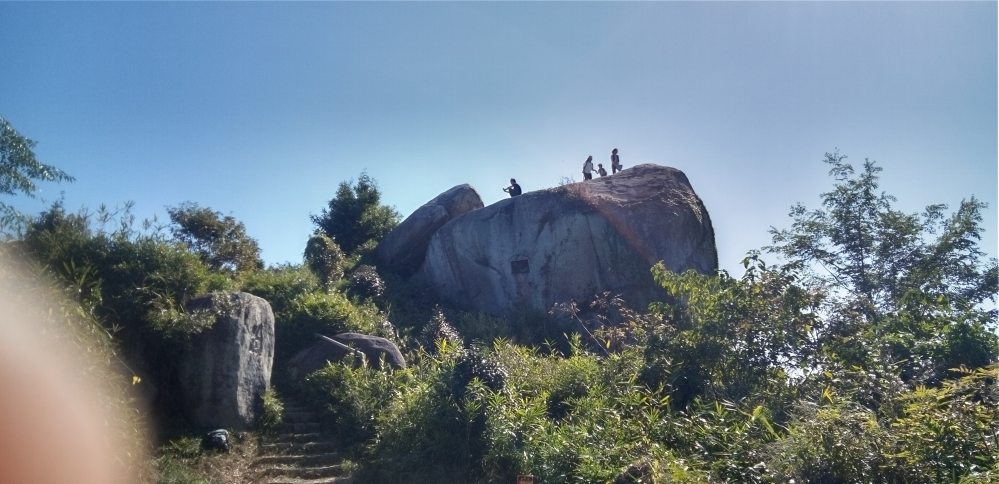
355 215
912 282
273 415
221 241
325 258
366 283
729 339
19 170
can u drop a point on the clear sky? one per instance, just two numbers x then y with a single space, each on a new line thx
259 110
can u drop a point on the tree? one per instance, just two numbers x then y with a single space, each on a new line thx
915 282
19 170
221 241
356 215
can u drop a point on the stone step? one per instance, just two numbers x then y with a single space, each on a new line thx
299 417
298 447
299 459
299 428
302 472
309 437
285 480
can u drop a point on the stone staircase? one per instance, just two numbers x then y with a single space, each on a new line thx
299 453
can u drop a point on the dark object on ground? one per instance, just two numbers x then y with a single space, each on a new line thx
216 440
226 369
372 347
366 283
403 249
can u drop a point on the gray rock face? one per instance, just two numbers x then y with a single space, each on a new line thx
373 347
403 249
572 242
227 369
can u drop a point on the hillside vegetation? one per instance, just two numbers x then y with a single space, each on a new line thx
866 354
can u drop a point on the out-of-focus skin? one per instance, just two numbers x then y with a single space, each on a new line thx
52 431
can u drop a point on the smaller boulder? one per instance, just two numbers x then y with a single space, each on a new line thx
323 351
403 249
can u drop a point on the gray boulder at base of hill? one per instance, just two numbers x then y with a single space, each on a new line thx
319 354
227 368
402 250
571 242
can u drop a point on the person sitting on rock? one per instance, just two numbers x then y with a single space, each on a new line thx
513 189
601 170
588 168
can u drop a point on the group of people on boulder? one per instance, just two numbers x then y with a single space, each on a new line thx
514 189
588 166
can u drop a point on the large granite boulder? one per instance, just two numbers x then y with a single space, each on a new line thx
572 242
402 250
324 351
227 368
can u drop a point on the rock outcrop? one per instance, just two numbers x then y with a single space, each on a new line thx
373 347
403 249
227 368
571 242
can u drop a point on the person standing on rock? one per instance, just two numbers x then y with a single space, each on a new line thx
601 170
588 168
615 162
513 189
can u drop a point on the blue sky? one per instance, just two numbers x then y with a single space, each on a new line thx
260 109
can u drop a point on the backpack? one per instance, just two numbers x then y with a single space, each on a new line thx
216 439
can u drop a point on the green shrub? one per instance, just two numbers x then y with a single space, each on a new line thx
350 399
325 259
273 414
280 285
948 432
830 442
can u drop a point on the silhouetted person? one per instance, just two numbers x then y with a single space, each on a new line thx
588 168
513 189
601 170
615 162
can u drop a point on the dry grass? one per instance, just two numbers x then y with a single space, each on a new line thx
182 461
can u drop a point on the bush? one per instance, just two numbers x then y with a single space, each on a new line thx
366 283
350 399
273 415
280 285
325 259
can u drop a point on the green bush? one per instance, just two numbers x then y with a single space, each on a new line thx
280 285
325 259
350 399
273 415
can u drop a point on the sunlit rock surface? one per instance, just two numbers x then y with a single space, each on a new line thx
572 242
